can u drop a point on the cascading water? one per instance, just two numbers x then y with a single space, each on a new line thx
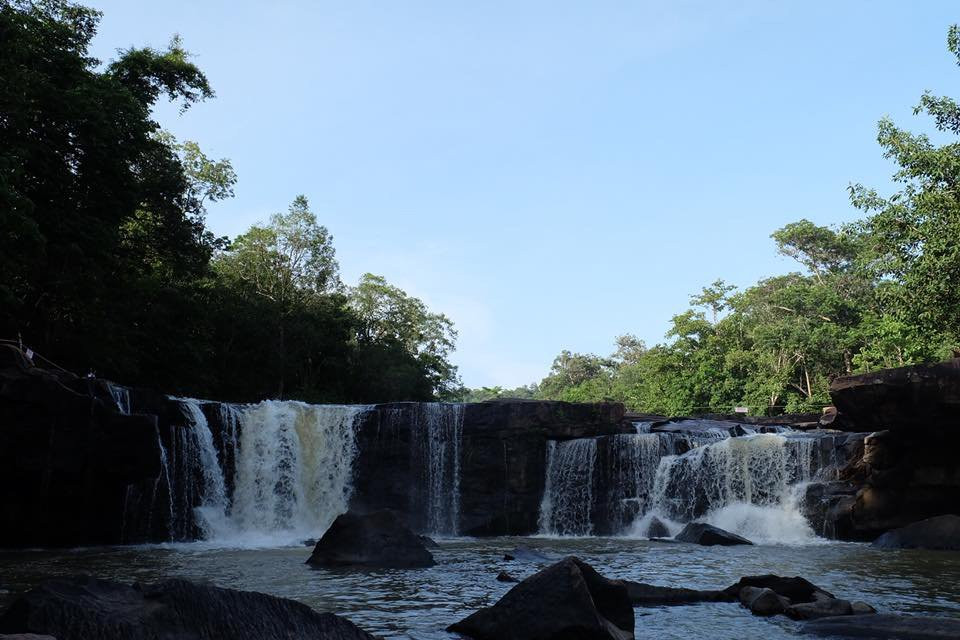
293 471
436 456
121 395
749 485
565 509
631 470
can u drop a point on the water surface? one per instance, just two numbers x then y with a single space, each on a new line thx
420 603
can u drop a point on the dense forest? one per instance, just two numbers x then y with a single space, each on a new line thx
107 264
879 292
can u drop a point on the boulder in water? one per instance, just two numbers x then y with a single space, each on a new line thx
503 576
648 595
95 609
886 626
763 601
657 529
941 533
568 599
709 535
377 539
796 589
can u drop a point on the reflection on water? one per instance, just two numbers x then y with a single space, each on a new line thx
420 603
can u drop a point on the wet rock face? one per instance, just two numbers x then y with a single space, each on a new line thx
176 609
66 458
907 469
378 539
941 533
502 459
566 600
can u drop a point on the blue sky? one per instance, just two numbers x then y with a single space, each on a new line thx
549 174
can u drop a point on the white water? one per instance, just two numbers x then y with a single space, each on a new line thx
748 485
121 395
293 473
440 429
568 491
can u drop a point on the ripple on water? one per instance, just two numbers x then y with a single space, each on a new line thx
419 604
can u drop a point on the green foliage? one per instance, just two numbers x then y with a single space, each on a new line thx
107 263
878 293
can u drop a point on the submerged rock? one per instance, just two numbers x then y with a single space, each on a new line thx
941 533
709 535
94 609
523 554
503 576
648 595
886 626
566 600
377 539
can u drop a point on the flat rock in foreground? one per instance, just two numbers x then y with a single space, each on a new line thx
377 539
881 625
86 608
564 601
941 533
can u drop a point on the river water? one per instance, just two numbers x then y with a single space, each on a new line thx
420 603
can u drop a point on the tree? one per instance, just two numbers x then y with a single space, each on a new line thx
79 161
387 315
290 263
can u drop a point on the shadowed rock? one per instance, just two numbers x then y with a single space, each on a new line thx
886 626
564 601
797 589
709 535
762 601
91 609
941 533
503 576
657 529
648 595
373 540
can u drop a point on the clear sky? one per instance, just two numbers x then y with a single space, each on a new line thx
549 174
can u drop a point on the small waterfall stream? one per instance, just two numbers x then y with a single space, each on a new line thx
436 457
568 494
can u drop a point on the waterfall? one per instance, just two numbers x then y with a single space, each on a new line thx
565 509
121 395
749 485
436 458
631 469
293 470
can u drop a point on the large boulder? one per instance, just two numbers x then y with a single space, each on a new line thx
566 600
377 539
763 601
940 533
886 626
86 608
709 535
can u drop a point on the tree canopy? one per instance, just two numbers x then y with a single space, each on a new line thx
107 262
